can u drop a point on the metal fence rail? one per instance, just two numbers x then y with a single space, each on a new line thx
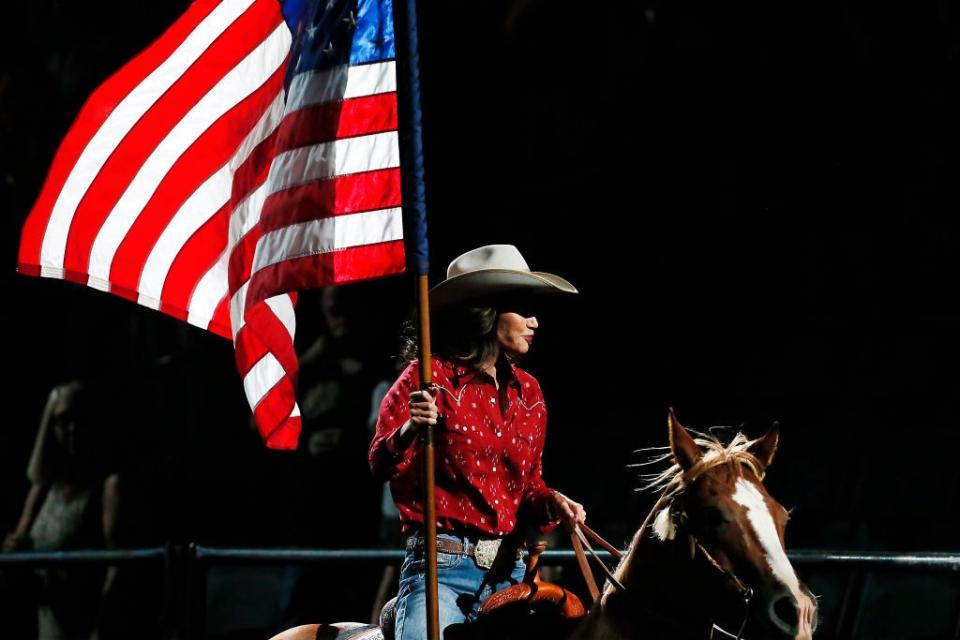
873 560
926 561
99 556
185 567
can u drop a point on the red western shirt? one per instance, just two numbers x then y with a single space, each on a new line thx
488 449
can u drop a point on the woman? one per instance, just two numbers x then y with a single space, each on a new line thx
72 504
491 420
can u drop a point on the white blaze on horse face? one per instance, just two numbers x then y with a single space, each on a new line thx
748 496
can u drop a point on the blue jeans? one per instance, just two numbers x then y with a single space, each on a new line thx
461 590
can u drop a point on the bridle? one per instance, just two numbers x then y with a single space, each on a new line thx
579 539
745 592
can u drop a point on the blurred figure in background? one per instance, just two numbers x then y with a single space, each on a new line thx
337 372
72 504
391 534
340 501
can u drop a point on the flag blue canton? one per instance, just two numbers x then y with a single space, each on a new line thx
330 33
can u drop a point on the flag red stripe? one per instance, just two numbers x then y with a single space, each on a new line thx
220 324
205 157
174 312
196 257
241 260
125 293
269 335
321 270
344 119
232 46
249 350
273 410
353 193
94 113
254 170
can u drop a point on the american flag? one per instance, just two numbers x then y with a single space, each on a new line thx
250 152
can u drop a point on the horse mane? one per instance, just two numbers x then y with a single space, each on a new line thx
673 480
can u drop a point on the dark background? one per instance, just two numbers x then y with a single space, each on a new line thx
756 200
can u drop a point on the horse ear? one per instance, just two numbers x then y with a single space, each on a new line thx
766 447
685 451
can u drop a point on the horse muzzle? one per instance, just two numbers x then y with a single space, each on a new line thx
793 615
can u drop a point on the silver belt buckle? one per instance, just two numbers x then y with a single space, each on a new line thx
485 552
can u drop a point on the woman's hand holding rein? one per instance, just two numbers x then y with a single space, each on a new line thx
569 512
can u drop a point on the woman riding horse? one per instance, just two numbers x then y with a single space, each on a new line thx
491 423
707 563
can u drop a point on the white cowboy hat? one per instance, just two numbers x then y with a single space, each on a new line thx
492 270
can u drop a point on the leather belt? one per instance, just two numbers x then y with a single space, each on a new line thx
483 551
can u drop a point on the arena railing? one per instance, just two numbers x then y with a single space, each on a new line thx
185 567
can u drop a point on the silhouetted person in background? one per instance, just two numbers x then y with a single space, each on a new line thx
72 504
340 505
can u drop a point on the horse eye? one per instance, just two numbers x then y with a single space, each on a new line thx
712 517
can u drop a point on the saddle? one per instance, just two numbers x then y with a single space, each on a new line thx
509 606
508 612
533 595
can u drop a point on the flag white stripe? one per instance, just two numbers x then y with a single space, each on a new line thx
208 293
282 307
341 83
262 377
328 234
329 159
236 85
237 302
122 119
264 127
246 215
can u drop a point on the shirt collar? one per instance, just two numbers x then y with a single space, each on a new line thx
460 375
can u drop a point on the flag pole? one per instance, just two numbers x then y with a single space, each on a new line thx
414 198
427 455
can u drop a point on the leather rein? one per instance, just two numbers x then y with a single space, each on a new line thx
579 539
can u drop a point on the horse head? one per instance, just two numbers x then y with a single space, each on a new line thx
715 504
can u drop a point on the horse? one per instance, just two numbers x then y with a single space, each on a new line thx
708 561
715 560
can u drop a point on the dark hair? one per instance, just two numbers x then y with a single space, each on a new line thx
466 335
85 409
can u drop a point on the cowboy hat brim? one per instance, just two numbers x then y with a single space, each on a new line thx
488 283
